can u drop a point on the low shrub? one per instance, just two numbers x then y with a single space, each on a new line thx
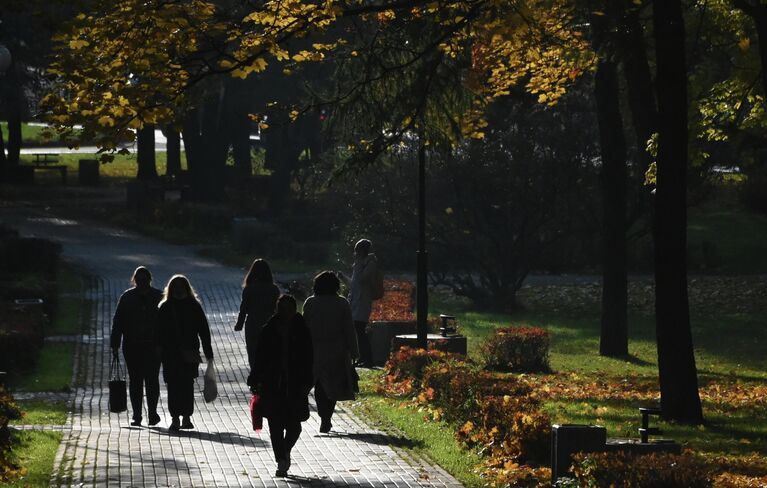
458 388
658 470
518 476
407 365
9 470
522 349
508 428
28 254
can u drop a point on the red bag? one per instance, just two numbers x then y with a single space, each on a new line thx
255 413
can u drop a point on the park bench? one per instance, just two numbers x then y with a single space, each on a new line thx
47 161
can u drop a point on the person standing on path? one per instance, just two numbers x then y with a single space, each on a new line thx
182 328
135 326
282 376
259 300
361 295
329 318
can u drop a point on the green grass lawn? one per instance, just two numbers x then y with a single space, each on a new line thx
39 412
53 371
729 349
123 167
430 439
36 451
737 235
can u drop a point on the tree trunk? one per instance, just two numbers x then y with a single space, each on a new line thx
680 400
15 101
238 121
147 165
173 152
639 83
613 340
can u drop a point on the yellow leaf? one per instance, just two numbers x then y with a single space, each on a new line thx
78 44
106 121
744 44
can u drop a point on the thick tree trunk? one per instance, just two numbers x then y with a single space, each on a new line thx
680 400
613 339
639 83
147 163
215 147
173 151
238 122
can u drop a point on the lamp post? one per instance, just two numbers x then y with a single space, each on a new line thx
422 293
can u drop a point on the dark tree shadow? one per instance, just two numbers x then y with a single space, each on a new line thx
230 438
377 439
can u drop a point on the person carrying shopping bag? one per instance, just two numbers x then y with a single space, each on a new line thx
282 377
183 327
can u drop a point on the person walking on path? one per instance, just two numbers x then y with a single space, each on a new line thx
361 295
329 318
135 326
282 376
259 300
182 328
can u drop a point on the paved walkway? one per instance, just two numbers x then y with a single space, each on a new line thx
101 449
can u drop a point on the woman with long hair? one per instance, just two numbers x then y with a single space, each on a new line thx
182 328
259 299
282 375
329 318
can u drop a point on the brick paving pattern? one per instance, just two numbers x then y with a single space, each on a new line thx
101 449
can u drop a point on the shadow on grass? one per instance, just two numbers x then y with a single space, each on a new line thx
378 439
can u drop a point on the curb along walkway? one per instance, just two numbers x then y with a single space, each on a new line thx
101 449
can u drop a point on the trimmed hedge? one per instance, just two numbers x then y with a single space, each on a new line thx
9 470
657 470
520 349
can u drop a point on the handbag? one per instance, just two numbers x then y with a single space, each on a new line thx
118 398
210 389
255 412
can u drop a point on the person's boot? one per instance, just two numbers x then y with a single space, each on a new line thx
282 468
174 425
325 426
187 423
154 419
136 422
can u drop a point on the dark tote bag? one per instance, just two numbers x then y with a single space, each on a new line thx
118 399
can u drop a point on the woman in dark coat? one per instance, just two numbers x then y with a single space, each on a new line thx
282 376
329 318
182 328
259 299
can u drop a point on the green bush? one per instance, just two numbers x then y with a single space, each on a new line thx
657 470
521 349
8 411
29 254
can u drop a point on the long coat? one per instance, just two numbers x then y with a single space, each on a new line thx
361 287
283 369
182 327
259 302
329 319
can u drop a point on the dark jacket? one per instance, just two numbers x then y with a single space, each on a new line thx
135 320
259 301
182 327
283 370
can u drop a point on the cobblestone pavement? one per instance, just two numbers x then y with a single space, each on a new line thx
101 449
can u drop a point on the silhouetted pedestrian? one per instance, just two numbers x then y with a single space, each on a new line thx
259 300
182 328
135 326
361 296
282 376
329 319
